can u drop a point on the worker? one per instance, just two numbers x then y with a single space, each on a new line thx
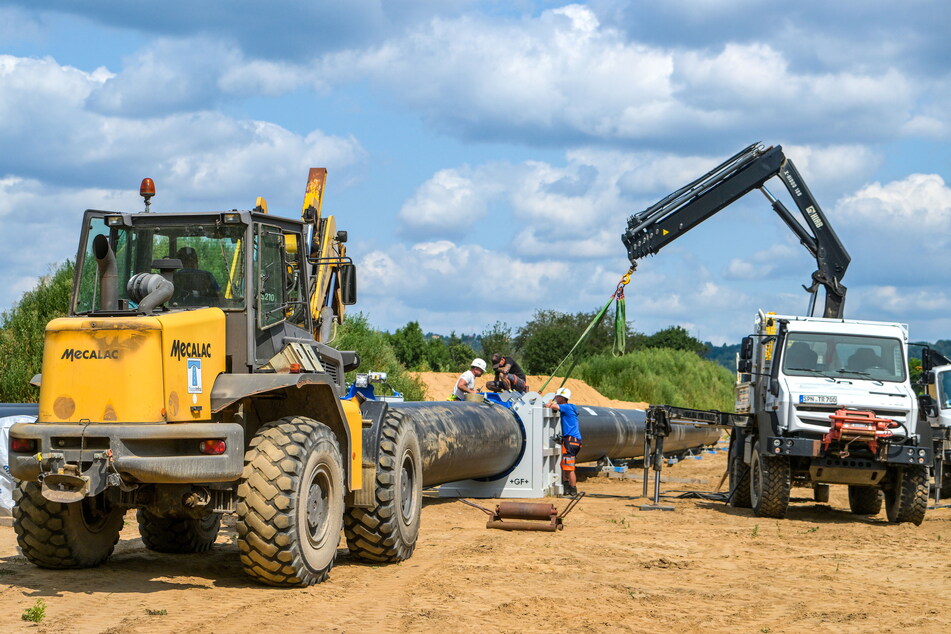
508 375
570 438
194 286
466 383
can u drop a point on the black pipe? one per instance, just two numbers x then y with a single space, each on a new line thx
619 433
464 440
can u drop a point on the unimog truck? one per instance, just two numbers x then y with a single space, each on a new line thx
820 400
192 378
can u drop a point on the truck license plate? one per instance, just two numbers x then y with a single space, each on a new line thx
818 399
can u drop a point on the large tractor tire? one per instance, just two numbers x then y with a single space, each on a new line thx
865 500
387 532
770 484
55 535
178 534
290 503
739 477
906 499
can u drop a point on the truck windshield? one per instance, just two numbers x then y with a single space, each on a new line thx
844 356
212 273
944 390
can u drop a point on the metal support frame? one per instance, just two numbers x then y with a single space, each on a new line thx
538 473
657 428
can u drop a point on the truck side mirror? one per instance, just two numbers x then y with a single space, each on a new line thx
928 406
347 280
745 366
927 378
746 348
774 386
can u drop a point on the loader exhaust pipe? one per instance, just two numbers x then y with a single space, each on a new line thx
108 273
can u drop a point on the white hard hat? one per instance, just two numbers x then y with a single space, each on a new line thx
563 391
478 363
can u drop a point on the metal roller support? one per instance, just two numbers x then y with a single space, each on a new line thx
461 440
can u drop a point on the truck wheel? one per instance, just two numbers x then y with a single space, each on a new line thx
178 534
388 531
865 500
906 500
290 503
55 535
739 477
770 483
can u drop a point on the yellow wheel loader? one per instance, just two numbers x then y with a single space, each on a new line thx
192 378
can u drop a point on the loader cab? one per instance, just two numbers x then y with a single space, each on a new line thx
248 264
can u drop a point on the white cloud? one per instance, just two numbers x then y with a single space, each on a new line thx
446 205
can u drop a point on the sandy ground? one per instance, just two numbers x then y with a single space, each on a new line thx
439 386
704 566
615 568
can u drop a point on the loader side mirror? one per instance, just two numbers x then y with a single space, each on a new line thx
746 348
347 280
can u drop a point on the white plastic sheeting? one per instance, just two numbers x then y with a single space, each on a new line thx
6 480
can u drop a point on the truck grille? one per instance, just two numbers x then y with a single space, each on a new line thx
819 415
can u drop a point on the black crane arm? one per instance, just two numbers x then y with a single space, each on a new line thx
671 217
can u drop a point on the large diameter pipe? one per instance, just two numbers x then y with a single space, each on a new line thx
619 433
459 441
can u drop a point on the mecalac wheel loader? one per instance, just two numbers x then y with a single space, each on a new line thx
819 400
192 378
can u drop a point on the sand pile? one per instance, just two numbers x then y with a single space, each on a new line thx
439 386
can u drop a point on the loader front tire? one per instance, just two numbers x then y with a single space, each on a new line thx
906 500
770 484
178 534
387 532
865 500
290 503
56 535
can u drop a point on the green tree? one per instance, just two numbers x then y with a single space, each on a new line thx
498 339
675 338
545 340
460 353
409 345
437 354
22 331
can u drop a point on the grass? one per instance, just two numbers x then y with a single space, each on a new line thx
660 376
36 613
755 531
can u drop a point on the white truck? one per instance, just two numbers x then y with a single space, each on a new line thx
820 401
935 408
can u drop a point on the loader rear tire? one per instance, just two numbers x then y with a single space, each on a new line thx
770 484
178 534
906 500
865 500
387 532
739 477
55 535
290 503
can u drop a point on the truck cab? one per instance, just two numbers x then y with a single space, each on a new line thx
935 410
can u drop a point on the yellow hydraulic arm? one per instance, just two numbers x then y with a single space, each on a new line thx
327 253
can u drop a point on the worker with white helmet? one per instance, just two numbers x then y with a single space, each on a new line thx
570 438
466 383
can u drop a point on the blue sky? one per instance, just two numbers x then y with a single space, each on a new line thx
485 156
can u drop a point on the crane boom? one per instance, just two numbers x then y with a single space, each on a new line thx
671 217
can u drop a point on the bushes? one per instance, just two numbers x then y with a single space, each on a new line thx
660 376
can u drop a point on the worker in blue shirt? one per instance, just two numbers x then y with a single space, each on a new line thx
570 438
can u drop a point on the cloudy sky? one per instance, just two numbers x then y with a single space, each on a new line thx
485 156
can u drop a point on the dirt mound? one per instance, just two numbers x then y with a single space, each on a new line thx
439 386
